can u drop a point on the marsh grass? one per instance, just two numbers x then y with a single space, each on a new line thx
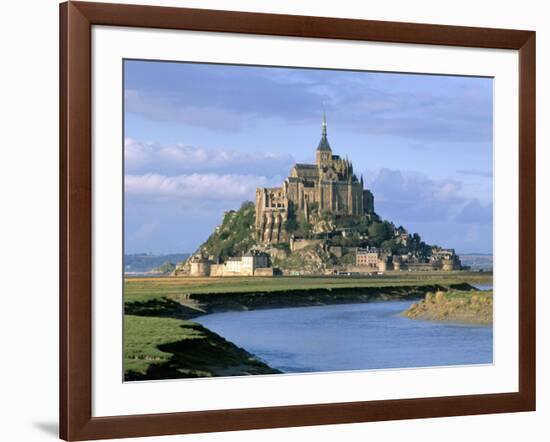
144 335
166 348
142 289
467 306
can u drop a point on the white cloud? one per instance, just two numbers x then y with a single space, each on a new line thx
407 196
195 187
446 191
440 210
178 158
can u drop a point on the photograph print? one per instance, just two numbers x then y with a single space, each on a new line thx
282 220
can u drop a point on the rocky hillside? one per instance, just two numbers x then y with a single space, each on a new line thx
314 259
236 235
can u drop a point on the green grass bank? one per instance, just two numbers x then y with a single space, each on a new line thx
166 348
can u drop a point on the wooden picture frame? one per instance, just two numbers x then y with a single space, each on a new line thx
76 21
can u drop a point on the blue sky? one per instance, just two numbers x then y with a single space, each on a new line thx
199 139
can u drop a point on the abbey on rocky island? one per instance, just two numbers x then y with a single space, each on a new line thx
321 220
329 185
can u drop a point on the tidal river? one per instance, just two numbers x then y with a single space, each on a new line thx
351 337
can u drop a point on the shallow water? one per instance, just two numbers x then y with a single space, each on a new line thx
351 337
483 286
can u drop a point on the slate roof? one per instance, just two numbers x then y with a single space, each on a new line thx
323 144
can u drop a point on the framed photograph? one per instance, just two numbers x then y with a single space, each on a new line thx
274 220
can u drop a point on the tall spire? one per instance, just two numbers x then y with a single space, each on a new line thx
323 144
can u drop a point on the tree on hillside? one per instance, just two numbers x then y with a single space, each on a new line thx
304 228
247 205
389 244
290 224
380 232
235 235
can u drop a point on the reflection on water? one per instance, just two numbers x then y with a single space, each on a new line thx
351 337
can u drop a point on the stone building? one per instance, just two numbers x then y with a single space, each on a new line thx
449 264
446 259
401 235
253 263
373 258
368 257
383 263
199 265
253 260
396 261
233 265
330 185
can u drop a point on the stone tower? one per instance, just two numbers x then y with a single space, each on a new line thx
324 152
328 186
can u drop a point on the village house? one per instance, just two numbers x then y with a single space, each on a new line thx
368 257
372 258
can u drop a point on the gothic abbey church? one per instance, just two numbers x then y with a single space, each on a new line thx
327 186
